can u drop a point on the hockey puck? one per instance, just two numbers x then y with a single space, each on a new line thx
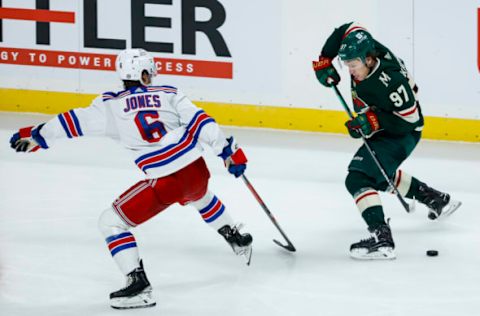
432 253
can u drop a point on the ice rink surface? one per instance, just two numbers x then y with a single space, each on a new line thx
53 260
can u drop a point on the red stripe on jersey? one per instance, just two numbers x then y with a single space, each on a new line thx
179 147
71 126
172 152
200 119
409 112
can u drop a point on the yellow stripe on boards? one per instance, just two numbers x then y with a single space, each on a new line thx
42 101
443 128
298 119
276 117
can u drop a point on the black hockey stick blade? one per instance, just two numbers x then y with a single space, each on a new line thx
288 247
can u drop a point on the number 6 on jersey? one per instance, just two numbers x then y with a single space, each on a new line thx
149 126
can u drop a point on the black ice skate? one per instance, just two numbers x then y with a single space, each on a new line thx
240 243
137 293
439 204
378 247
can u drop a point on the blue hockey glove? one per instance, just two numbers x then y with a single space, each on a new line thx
234 158
28 139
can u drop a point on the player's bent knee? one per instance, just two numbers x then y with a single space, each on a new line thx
203 201
355 181
109 223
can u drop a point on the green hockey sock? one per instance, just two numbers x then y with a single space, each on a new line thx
374 216
413 191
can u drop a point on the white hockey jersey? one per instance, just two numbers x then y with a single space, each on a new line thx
160 126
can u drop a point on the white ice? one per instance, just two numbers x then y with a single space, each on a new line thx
53 260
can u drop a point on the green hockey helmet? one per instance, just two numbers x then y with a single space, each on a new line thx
356 45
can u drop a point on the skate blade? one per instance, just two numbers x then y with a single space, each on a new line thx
448 210
245 252
248 255
383 253
141 300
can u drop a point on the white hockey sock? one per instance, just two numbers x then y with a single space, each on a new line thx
402 181
120 241
367 198
213 211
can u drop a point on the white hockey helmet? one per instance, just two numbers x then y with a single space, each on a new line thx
131 63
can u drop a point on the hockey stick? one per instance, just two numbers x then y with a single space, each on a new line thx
289 245
372 153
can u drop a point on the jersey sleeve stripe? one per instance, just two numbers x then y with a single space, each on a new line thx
106 96
166 89
70 124
410 115
64 125
408 111
185 144
76 122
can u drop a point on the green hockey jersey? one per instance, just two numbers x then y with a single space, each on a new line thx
389 91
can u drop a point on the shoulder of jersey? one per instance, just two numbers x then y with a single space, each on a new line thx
109 95
165 89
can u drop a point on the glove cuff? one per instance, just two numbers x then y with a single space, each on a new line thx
25 132
239 157
39 138
228 149
373 120
322 63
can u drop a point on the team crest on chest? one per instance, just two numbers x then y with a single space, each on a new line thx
359 105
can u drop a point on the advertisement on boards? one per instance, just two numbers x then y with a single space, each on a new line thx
76 42
46 18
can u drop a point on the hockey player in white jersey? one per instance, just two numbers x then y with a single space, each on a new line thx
165 132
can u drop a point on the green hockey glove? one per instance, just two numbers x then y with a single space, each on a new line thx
366 122
325 72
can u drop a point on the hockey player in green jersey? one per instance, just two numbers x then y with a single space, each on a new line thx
390 117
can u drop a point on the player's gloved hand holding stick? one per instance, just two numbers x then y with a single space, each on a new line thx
236 163
366 122
326 74
234 158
